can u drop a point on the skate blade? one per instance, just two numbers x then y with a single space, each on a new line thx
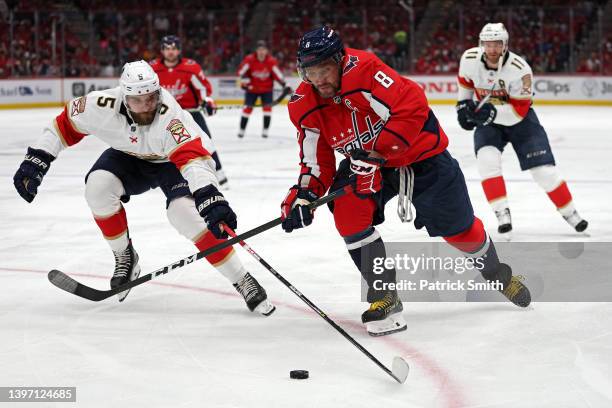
506 236
265 308
387 332
392 324
135 273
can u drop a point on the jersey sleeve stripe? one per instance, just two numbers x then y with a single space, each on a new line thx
309 144
278 73
65 129
199 86
465 83
243 70
187 152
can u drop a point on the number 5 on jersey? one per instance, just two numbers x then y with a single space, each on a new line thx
384 80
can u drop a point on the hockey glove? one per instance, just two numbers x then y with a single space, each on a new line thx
245 84
464 109
366 177
209 106
215 210
294 209
30 173
287 90
484 116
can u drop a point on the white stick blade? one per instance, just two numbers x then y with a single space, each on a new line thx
400 369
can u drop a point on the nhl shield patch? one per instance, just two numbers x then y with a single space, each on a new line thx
178 131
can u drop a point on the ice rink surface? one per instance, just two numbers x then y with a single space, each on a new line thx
187 339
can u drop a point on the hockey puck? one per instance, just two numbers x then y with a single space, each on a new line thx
298 374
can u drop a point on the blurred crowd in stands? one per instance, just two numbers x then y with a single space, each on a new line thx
79 38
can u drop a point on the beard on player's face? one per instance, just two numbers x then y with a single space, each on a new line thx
145 118
493 50
143 108
325 78
171 54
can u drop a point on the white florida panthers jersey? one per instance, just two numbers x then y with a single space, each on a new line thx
510 88
172 136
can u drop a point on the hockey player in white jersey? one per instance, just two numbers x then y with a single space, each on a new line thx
501 83
153 143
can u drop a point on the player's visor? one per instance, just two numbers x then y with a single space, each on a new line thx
143 103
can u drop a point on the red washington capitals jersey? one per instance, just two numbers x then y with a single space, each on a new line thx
261 73
185 81
376 109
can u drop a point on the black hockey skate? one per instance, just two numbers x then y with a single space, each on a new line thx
254 295
384 316
504 221
126 269
576 221
514 289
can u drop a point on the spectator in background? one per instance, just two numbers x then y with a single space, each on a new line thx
401 49
107 70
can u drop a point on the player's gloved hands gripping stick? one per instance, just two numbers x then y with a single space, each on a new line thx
209 106
483 116
294 208
366 178
30 174
464 108
215 210
470 116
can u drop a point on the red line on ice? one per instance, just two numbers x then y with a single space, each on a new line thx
449 389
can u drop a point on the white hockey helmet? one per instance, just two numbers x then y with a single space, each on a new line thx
494 32
138 78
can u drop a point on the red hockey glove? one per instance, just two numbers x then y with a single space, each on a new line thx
366 178
209 106
294 208
245 84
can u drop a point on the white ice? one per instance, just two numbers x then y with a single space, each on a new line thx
187 339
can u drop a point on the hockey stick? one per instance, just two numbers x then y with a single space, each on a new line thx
286 91
70 285
400 368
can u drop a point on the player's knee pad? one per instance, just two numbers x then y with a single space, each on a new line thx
103 191
546 176
246 111
489 160
267 110
352 214
184 217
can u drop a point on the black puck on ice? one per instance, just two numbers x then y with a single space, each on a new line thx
298 374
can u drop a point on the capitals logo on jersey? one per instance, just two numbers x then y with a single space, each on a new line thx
295 97
354 138
352 63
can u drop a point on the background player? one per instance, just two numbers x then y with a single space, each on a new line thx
154 143
493 71
185 80
257 73
350 102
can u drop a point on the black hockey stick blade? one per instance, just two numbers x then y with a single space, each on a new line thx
400 369
66 283
70 285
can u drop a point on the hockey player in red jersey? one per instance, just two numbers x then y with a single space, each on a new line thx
351 103
493 71
153 143
185 80
257 73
